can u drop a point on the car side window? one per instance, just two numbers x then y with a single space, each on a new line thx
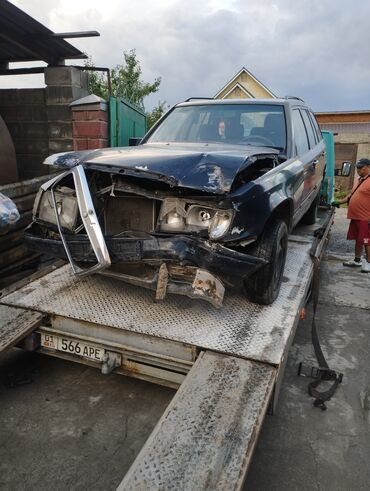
316 126
309 129
300 135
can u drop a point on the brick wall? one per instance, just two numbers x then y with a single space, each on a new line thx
90 124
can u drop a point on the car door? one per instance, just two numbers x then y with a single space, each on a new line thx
307 154
317 149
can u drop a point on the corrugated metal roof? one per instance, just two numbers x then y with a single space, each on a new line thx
22 38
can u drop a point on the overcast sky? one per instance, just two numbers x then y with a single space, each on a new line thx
318 50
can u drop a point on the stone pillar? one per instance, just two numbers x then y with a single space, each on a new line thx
64 84
90 123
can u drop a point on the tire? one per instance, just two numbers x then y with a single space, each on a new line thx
310 217
263 286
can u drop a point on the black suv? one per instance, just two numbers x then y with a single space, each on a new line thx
204 201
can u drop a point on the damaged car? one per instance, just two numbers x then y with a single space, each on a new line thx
204 201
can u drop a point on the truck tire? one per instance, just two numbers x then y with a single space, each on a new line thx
310 217
263 286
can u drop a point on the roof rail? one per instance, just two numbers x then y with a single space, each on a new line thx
198 99
293 97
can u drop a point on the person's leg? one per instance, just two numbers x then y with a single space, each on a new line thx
367 249
366 242
358 250
353 231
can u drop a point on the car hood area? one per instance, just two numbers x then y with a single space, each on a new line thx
210 168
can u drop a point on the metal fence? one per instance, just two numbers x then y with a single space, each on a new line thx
125 121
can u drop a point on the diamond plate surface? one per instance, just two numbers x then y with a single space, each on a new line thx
239 328
206 436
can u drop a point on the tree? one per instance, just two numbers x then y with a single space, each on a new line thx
125 81
98 84
156 113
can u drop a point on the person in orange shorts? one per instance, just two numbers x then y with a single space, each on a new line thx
359 213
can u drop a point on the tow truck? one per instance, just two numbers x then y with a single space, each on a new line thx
226 365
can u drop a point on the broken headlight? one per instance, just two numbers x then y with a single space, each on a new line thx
177 216
220 224
173 222
67 207
199 216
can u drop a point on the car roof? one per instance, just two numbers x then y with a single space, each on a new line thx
293 101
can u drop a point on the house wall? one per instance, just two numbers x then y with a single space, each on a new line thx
232 91
352 128
254 87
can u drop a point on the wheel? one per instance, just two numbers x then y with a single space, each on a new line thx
310 217
263 286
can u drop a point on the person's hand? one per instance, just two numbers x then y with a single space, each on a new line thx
336 204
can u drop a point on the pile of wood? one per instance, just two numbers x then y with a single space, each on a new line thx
16 261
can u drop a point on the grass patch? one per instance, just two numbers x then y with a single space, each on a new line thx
340 194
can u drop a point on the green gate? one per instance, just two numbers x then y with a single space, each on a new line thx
125 121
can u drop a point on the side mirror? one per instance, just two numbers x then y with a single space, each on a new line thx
132 142
345 171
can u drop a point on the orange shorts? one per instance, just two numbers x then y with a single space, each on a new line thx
359 230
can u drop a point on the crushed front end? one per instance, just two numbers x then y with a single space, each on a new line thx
145 231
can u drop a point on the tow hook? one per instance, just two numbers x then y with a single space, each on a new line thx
110 362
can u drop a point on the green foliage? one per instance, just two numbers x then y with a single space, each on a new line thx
125 81
156 113
98 83
338 195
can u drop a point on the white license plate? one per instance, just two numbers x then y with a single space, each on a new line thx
72 347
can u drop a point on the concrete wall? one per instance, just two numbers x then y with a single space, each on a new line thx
24 113
40 120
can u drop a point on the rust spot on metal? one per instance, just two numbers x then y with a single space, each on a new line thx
162 283
186 272
208 286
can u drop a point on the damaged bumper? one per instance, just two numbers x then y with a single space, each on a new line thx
177 263
208 262
230 265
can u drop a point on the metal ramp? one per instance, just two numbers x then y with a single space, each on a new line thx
15 324
206 436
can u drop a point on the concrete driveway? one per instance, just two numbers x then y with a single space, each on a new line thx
302 447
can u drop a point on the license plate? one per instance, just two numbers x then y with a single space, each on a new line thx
72 347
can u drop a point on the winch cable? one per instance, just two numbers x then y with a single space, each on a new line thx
323 372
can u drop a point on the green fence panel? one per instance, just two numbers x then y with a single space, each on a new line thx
113 123
327 189
125 121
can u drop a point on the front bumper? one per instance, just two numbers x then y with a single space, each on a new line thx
95 253
231 266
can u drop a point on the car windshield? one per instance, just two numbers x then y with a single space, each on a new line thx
247 124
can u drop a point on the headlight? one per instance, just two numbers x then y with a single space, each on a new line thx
67 208
199 216
178 216
220 224
173 221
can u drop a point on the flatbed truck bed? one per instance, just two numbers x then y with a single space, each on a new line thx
226 364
